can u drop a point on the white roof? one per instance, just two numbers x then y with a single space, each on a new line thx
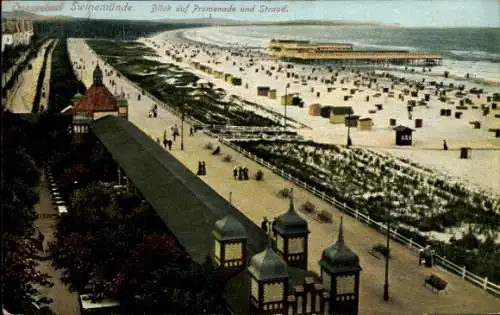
62 209
88 304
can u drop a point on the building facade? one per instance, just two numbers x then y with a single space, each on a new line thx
97 102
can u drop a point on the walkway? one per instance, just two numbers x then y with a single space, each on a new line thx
21 97
44 99
64 301
258 199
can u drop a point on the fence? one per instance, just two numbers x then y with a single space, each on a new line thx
458 270
490 287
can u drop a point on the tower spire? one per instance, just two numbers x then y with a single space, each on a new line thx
291 208
341 231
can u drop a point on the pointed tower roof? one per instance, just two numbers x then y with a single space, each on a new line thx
339 257
267 265
290 223
97 75
228 228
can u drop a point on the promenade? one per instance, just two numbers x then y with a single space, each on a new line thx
21 97
258 199
64 301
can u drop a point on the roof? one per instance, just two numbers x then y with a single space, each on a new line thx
402 128
339 257
290 223
267 265
238 288
228 228
97 99
180 198
342 110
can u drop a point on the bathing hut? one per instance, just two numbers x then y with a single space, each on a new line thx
418 123
392 122
287 99
218 74
496 131
476 124
315 109
236 81
351 121
339 113
403 135
263 90
365 123
465 152
228 77
272 94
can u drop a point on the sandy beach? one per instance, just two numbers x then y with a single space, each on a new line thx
365 91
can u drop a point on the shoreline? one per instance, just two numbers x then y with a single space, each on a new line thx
427 140
454 74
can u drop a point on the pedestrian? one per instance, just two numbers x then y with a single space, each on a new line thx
245 173
200 169
274 227
204 168
191 131
169 143
445 145
165 142
240 173
264 224
235 173
41 239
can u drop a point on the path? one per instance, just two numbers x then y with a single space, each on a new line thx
64 301
21 99
44 99
258 199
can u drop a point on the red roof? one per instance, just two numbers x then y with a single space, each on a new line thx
97 99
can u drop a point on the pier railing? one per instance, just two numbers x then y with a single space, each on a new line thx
460 271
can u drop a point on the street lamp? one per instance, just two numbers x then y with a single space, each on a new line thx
386 283
286 101
182 127
349 142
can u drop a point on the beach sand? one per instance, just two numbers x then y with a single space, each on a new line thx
256 69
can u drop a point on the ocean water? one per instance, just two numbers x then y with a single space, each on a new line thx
464 50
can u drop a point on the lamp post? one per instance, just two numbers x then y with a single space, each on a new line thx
386 283
349 143
182 127
286 101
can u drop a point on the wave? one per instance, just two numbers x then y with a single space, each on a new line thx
473 56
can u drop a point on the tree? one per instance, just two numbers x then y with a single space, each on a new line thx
159 277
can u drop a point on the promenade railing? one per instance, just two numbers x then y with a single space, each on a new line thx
362 217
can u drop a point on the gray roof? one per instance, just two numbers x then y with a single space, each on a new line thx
339 258
238 288
290 223
228 228
187 205
342 110
267 265
402 128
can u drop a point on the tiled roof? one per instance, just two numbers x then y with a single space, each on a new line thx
97 99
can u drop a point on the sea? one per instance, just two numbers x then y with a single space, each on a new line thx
464 50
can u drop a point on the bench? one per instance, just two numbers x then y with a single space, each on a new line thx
436 283
324 216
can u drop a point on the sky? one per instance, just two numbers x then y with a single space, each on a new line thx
409 13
